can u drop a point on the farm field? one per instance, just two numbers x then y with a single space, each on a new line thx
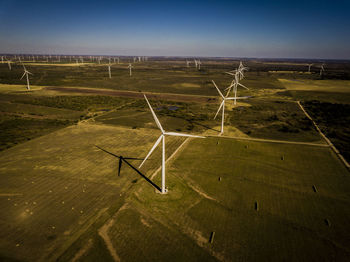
270 187
56 186
261 204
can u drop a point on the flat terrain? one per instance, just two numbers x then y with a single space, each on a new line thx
270 188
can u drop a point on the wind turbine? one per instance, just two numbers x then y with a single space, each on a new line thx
2 59
109 70
321 70
235 83
130 67
9 64
310 67
187 63
162 138
196 63
26 73
222 105
199 64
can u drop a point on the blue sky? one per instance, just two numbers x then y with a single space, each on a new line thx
274 29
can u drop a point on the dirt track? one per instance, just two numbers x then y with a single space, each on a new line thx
133 94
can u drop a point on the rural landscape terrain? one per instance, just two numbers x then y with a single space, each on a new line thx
273 186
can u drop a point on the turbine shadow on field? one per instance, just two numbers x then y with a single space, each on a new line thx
121 159
197 123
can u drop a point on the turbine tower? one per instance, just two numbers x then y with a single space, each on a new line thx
162 138
109 70
26 73
130 67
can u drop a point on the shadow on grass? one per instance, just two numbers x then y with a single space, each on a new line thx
125 159
196 123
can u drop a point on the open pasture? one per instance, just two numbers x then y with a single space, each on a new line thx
262 200
336 86
54 187
159 77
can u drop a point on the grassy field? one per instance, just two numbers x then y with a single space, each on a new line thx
264 200
262 204
52 186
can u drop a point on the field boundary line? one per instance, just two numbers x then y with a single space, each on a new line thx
335 150
272 141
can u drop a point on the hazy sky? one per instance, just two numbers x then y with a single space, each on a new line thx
253 28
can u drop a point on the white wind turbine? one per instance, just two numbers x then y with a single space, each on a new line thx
321 70
162 138
222 105
235 83
9 64
196 63
309 65
26 73
109 70
130 67
199 64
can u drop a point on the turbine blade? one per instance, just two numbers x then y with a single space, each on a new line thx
218 89
150 152
239 97
181 134
223 101
154 115
243 86
23 75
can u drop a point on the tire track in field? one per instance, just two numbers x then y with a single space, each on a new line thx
103 232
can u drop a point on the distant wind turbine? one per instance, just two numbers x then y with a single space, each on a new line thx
26 73
222 105
321 70
196 63
309 65
9 64
235 83
162 138
130 67
109 71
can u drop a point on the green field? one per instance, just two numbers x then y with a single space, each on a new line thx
270 188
